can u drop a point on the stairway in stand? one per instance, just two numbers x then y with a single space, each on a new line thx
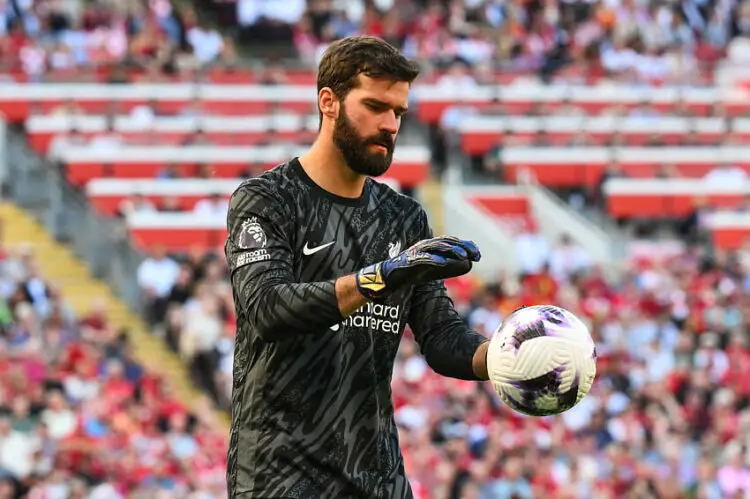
431 197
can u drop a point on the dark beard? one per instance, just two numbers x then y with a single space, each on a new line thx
356 151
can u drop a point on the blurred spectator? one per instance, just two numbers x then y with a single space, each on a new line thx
568 259
485 316
171 171
532 250
156 276
725 175
17 450
214 206
206 43
136 204
170 204
694 227
457 80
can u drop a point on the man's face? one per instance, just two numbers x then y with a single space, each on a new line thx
368 122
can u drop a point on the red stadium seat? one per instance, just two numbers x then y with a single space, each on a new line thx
584 166
666 198
410 164
106 194
176 231
510 209
521 98
508 204
17 102
226 130
479 134
557 167
730 230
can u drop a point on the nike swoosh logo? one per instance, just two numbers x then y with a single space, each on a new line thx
309 251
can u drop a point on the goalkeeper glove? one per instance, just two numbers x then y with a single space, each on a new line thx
428 260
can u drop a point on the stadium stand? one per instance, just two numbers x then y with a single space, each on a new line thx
80 416
638 106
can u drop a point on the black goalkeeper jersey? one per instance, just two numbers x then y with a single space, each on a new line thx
312 415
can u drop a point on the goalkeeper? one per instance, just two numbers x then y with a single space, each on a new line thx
328 266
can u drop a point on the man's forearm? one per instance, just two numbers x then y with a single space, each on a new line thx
479 361
348 296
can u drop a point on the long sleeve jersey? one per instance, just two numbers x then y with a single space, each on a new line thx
312 412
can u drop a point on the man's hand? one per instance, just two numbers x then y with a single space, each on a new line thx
429 260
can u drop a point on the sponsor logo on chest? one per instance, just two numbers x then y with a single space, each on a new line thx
374 316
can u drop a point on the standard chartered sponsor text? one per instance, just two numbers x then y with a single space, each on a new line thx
376 316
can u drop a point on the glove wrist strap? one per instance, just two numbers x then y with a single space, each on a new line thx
370 281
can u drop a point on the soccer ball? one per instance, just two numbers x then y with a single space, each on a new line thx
542 360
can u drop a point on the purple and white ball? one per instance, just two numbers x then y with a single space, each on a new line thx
542 360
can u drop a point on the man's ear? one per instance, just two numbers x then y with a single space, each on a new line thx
328 103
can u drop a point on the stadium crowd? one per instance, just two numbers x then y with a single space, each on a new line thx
79 416
630 40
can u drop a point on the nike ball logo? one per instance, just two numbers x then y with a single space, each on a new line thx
307 251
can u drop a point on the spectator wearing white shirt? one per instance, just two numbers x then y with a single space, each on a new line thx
457 80
207 43
532 251
16 450
156 277
486 317
725 175
158 273
652 66
214 206
568 259
617 56
202 326
269 21
60 420
709 356
250 12
136 204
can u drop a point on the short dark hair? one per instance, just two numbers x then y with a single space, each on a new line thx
345 59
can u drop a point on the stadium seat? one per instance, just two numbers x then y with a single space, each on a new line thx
667 198
523 98
224 130
106 194
19 102
511 210
176 231
584 166
410 163
730 230
479 134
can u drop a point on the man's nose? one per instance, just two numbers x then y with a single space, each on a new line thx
390 123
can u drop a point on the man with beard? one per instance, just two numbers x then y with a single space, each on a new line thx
328 266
